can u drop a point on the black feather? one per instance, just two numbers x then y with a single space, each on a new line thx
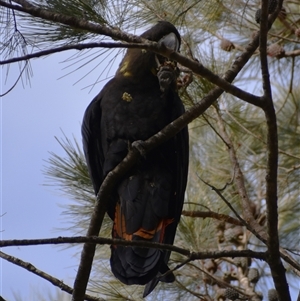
146 204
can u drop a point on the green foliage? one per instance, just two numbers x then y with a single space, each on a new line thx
203 25
209 162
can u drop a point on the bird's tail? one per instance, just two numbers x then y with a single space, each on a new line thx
137 265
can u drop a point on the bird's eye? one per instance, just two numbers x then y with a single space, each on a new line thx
170 41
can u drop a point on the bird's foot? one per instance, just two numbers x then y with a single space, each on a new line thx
140 146
166 75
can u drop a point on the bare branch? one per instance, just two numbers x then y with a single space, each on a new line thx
71 47
177 267
263 49
204 214
142 244
276 266
199 69
31 268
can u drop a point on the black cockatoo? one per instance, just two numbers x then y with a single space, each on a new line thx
146 204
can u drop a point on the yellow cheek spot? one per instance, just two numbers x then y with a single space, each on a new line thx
124 67
124 70
127 97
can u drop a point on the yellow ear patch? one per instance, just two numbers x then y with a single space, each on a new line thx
127 97
123 69
127 74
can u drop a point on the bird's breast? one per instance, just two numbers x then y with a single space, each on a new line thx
135 114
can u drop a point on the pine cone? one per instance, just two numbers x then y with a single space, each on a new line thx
272 295
253 275
226 45
231 294
276 50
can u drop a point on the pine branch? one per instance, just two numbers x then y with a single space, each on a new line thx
242 221
263 35
222 283
31 268
71 47
250 223
152 46
221 82
74 22
247 294
274 260
204 214
168 132
171 130
95 240
238 178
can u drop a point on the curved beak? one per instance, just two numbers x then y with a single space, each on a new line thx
170 41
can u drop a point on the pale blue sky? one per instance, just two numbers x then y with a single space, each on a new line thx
30 118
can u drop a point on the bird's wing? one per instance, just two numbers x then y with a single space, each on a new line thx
181 145
146 203
92 144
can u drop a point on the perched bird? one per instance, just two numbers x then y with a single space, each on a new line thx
146 204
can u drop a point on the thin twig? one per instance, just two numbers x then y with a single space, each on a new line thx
31 268
219 216
250 223
258 137
17 80
223 283
248 218
71 47
240 219
177 267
